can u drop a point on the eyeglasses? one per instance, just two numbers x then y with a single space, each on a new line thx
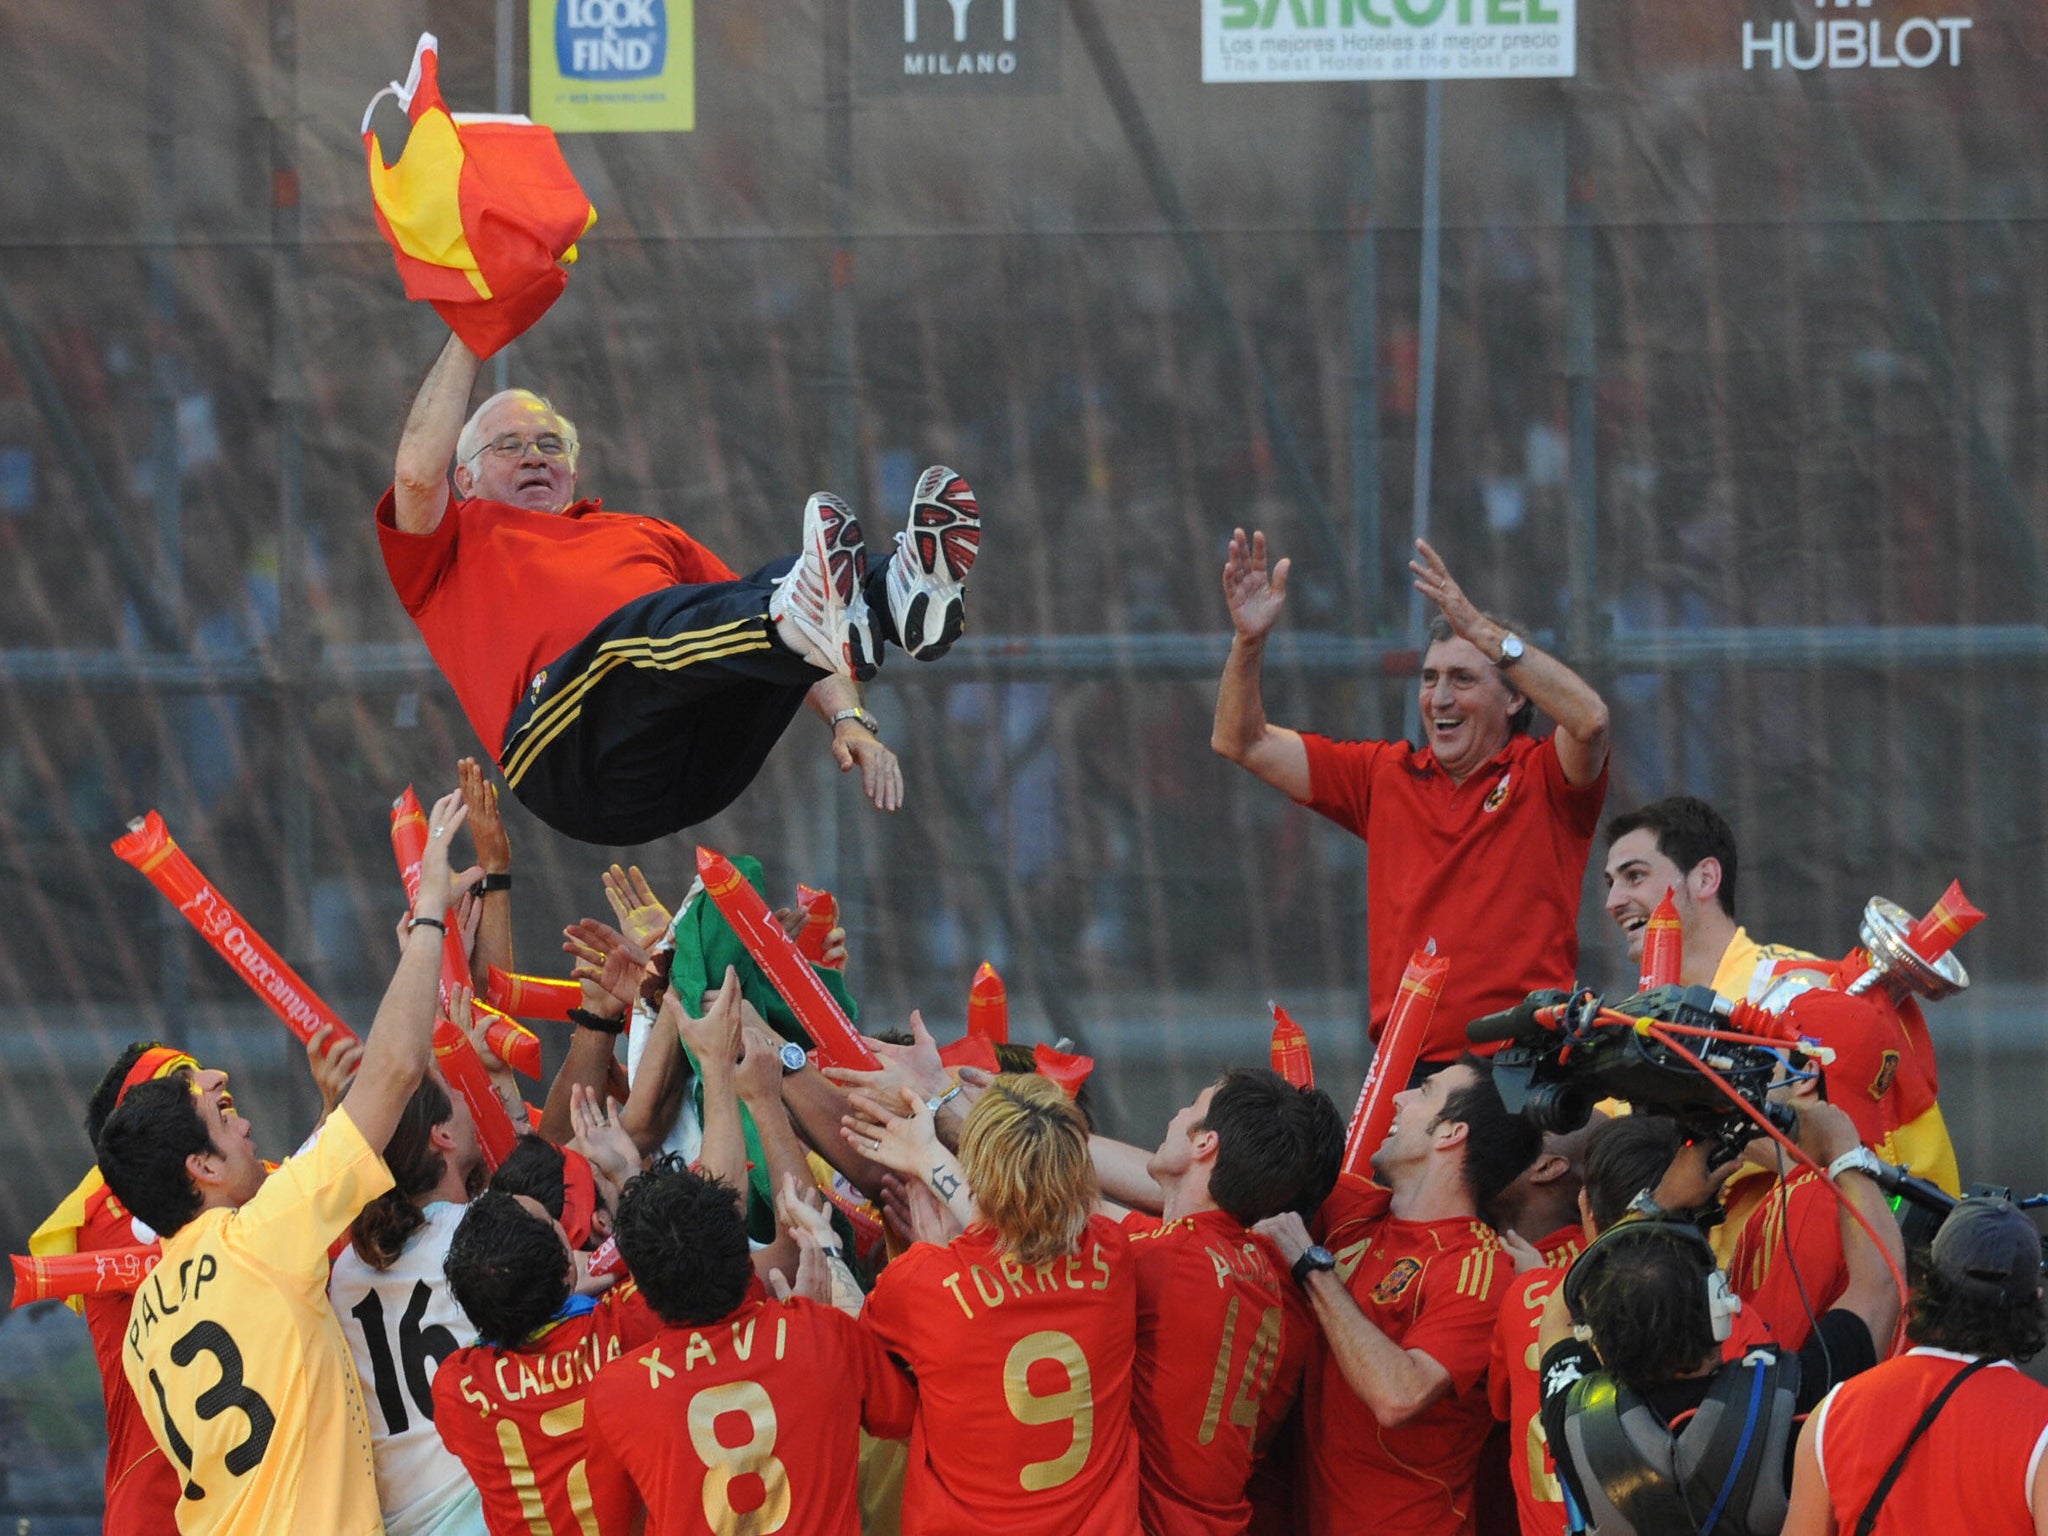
548 445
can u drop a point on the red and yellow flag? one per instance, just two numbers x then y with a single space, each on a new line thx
482 213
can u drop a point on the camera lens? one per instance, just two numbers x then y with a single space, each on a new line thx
1558 1108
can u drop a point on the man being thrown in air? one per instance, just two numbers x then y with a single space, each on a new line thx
627 683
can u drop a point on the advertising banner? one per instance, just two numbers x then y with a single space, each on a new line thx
1268 40
613 66
956 47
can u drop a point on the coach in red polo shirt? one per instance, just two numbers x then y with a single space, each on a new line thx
1480 837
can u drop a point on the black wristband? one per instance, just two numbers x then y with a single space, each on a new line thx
426 922
501 881
583 1018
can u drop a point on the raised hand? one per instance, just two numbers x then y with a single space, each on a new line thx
914 1067
1522 1251
607 964
1434 581
899 1135
715 1038
436 883
599 1135
486 826
333 1059
1255 594
642 917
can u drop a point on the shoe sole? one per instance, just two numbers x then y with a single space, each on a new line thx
941 542
844 554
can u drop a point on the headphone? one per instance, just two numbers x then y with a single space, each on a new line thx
1722 1303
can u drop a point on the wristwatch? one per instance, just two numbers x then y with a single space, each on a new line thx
794 1057
1315 1257
501 880
1857 1159
1512 650
1645 1204
859 716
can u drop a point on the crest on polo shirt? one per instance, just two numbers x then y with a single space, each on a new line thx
1888 1068
1499 796
1395 1281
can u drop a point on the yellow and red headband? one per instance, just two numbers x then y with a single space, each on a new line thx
158 1061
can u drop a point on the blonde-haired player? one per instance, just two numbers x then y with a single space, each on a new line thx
1021 1331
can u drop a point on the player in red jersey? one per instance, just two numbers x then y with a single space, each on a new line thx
142 1486
1405 1294
1222 1335
511 1405
1981 1461
1482 820
742 1414
1619 1159
1020 1333
1538 1219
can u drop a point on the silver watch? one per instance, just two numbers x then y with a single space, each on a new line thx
1512 650
794 1057
859 717
1857 1159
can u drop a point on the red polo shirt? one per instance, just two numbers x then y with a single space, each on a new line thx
498 592
1491 869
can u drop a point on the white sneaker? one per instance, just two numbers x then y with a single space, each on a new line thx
818 606
927 576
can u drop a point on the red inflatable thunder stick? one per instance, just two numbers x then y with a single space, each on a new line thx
532 997
151 849
821 916
458 1059
102 1272
1290 1049
988 1006
516 1045
838 1043
1663 946
1394 1062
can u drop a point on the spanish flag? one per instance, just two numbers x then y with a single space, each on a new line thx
482 213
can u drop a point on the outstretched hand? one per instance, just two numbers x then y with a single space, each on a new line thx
642 918
899 1135
881 776
915 1067
1255 594
486 826
333 1058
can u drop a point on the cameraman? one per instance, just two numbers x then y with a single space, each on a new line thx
1663 1418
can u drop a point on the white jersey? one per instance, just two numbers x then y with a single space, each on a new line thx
400 1324
686 1137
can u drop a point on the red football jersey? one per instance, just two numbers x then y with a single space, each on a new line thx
1023 1385
1977 1459
1435 1286
515 1416
1219 1366
751 1423
143 1488
1515 1393
1787 1265
1448 859
499 592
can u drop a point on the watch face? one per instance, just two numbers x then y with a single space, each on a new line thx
1511 648
793 1057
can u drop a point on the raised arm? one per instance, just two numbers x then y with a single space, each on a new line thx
715 1041
1826 1132
401 1039
1120 1169
494 853
419 478
1242 732
1397 1384
1553 687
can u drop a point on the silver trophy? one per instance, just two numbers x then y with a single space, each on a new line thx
1895 965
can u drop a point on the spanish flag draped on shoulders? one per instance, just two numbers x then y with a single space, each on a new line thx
1883 1074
